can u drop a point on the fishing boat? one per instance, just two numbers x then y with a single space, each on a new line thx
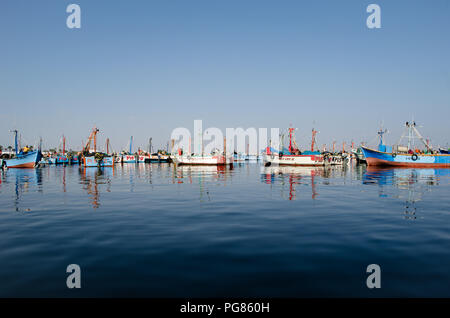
25 158
444 151
93 161
292 156
129 157
51 160
334 159
142 156
406 156
126 158
158 157
215 158
238 157
62 157
94 158
252 157
75 160
359 155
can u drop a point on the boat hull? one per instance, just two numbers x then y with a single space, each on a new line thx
160 158
129 159
204 161
28 160
251 157
378 158
295 160
239 158
142 159
92 162
334 160
62 160
75 160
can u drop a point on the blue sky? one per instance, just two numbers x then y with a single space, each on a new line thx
143 68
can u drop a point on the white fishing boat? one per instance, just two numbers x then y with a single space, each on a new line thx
239 157
293 156
252 157
214 159
335 159
142 158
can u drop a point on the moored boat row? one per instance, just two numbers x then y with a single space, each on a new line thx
398 155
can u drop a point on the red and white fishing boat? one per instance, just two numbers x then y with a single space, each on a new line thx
216 158
206 160
293 156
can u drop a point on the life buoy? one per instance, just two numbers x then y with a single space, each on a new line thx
414 157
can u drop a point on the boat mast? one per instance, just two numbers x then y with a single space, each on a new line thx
381 132
64 144
15 141
413 126
131 144
292 144
95 142
92 136
291 130
411 129
107 146
313 140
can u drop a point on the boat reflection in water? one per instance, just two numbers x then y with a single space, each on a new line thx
406 184
204 176
190 174
23 180
294 176
93 179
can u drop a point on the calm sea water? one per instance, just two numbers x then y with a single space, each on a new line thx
152 230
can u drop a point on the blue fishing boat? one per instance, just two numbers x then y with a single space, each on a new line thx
62 159
94 158
75 160
91 161
24 159
129 157
51 160
406 156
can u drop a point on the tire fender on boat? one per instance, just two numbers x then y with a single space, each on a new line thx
414 157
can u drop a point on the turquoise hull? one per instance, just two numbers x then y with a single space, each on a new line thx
28 160
379 158
91 162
